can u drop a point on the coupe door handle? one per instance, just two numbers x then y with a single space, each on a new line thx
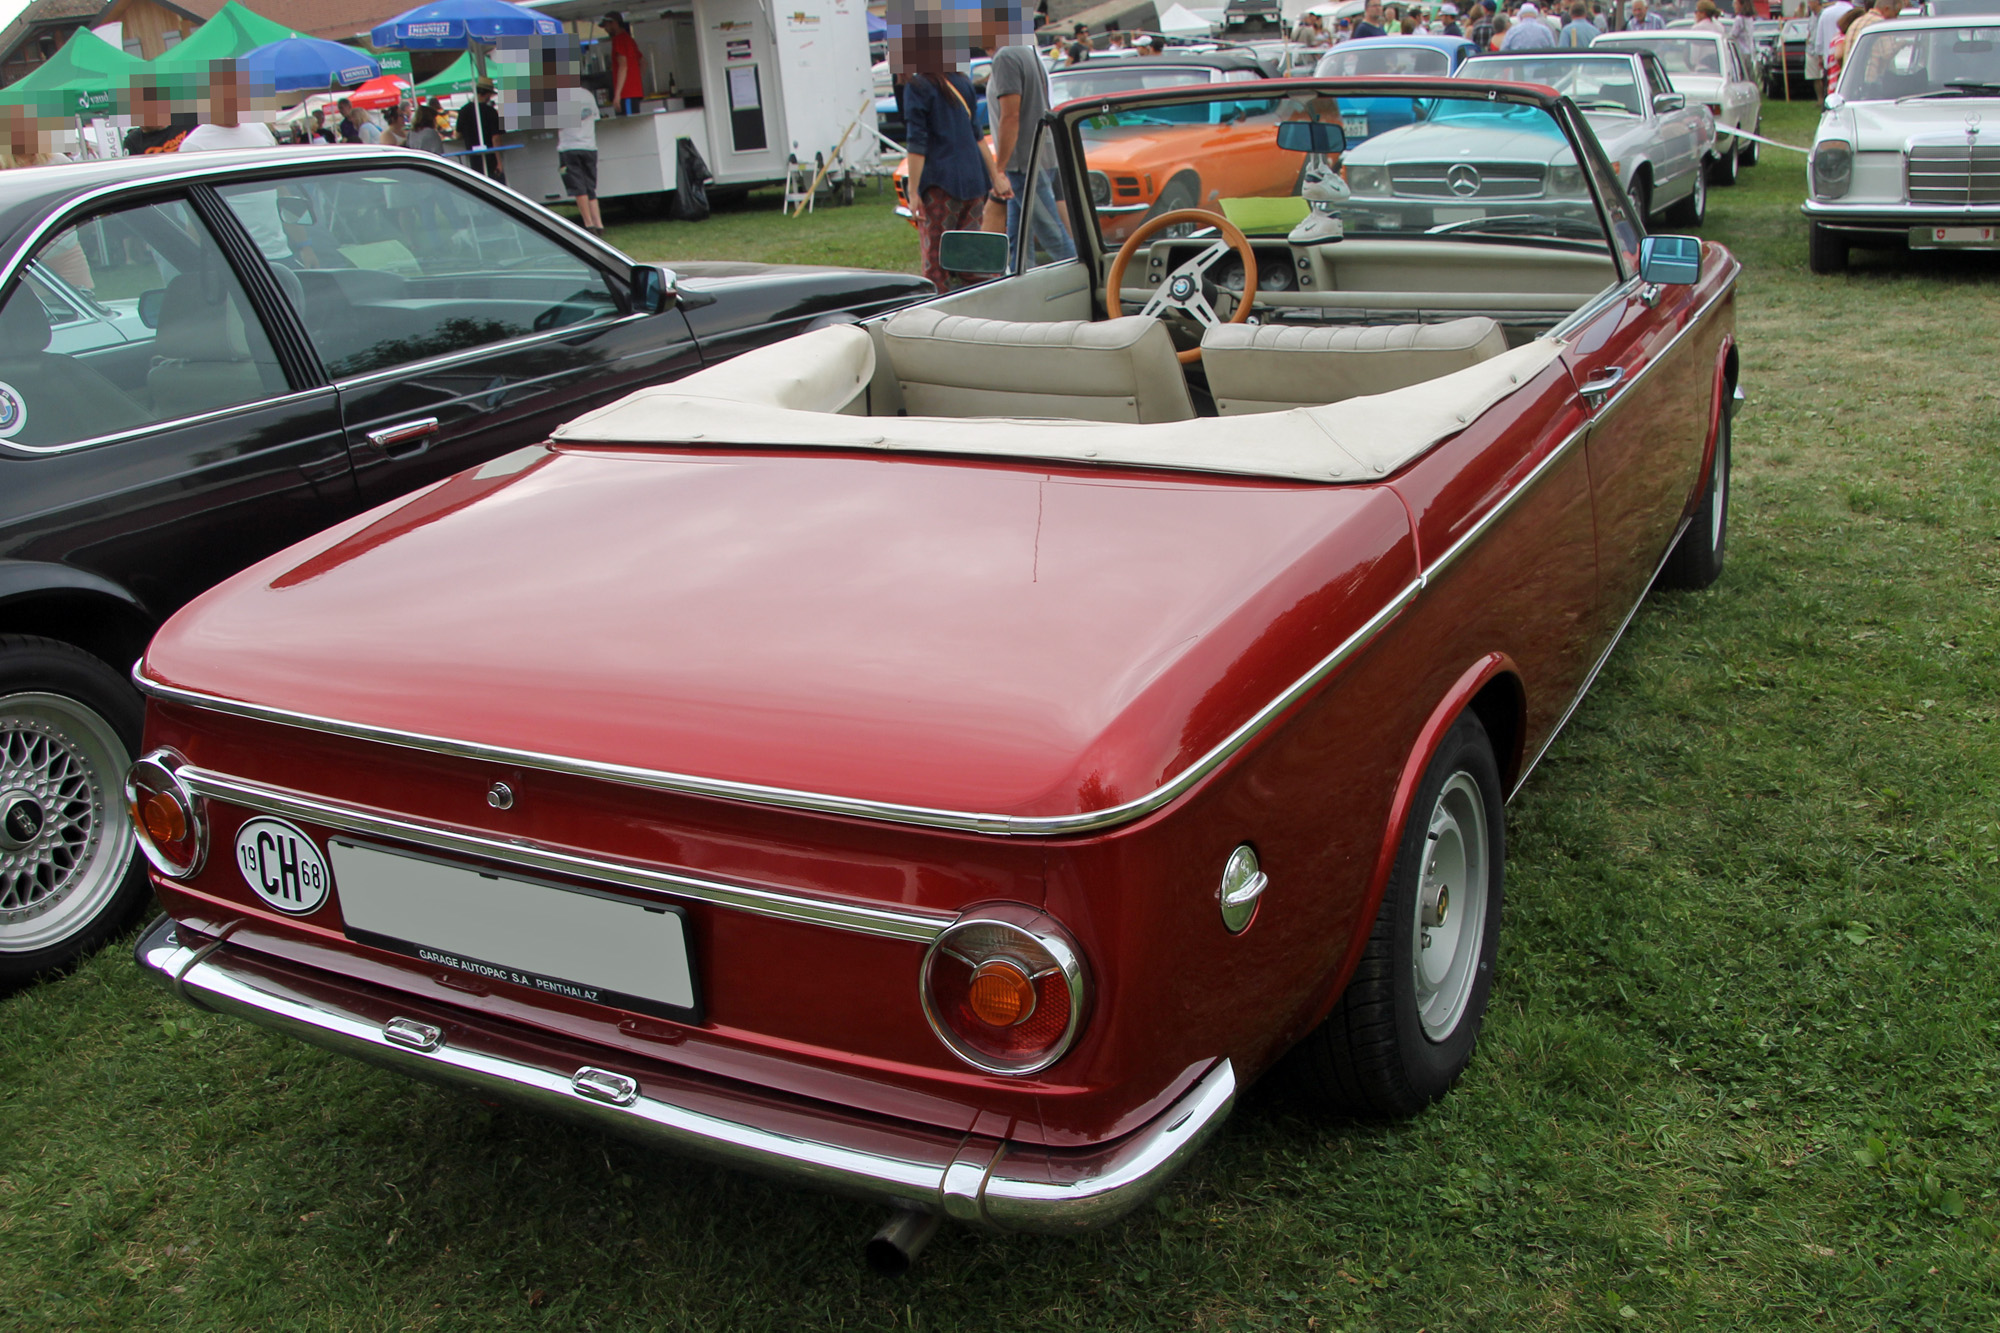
396 441
1598 388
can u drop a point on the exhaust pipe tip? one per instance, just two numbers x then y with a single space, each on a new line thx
892 1250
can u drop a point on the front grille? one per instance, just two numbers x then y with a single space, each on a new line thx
1956 174
1497 180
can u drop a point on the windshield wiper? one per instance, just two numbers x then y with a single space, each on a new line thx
1956 88
1463 223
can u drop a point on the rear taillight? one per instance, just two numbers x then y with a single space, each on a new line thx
171 822
1004 987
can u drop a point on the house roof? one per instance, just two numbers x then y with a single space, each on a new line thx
339 20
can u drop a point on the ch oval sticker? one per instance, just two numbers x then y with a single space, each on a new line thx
282 866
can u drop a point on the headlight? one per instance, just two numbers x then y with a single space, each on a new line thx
1100 189
1832 169
171 821
1004 987
1367 180
1566 179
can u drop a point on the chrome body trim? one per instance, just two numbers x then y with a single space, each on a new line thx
814 802
1899 213
175 423
1022 1187
890 923
447 360
926 816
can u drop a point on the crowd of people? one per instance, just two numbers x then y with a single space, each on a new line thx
1495 25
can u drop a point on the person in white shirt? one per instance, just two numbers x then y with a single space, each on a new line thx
576 154
1529 33
228 99
1820 45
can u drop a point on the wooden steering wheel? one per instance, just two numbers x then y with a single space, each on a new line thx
1181 290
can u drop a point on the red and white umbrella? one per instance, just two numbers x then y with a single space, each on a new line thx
380 93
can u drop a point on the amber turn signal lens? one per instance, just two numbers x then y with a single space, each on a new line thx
163 819
1001 994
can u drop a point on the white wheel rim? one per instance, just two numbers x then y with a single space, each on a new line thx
1700 194
1444 956
65 843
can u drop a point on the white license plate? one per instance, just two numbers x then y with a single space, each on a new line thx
1954 235
563 941
1354 127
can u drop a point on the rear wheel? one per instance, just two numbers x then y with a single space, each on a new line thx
70 876
1403 1031
1752 150
1826 250
1692 211
1722 167
1697 558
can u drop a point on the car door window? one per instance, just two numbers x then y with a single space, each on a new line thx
130 317
1045 236
394 266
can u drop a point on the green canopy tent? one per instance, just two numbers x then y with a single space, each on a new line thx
458 77
87 78
233 32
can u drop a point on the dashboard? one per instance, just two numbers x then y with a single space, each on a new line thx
1279 268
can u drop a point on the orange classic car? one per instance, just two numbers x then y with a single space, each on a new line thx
1156 159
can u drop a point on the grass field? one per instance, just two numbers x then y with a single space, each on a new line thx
1742 1070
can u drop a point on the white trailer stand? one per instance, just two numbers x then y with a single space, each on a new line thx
757 86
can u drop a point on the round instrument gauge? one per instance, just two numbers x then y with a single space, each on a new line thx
1274 277
1229 274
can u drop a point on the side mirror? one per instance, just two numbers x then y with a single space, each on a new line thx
982 252
1311 136
1670 261
653 289
1665 102
149 307
1833 102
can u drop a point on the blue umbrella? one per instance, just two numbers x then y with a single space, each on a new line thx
878 28
449 25
306 64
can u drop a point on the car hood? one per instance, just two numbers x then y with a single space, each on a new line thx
1889 127
962 635
1458 143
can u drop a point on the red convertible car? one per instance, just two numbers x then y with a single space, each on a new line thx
944 758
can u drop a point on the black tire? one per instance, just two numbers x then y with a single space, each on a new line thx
1183 191
71 876
1691 211
1640 192
1722 167
1826 251
1753 152
1697 558
1374 1055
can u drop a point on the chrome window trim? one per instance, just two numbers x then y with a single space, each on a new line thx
926 816
446 360
175 423
912 924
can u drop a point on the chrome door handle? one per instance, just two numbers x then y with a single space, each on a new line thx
389 437
1594 391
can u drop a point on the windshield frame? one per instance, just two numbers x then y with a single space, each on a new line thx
1068 121
1852 70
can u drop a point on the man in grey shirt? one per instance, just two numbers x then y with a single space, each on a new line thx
1017 92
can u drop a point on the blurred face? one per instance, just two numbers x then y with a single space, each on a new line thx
933 37
1007 25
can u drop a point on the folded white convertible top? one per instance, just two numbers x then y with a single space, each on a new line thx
761 400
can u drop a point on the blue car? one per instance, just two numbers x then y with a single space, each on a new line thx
1410 57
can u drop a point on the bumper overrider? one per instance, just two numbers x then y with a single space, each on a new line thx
968 1178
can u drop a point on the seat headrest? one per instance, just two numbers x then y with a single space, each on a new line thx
24 325
199 326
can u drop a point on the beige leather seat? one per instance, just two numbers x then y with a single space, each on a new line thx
1271 367
1105 370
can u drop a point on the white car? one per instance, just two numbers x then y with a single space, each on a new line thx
1908 151
1471 163
1708 68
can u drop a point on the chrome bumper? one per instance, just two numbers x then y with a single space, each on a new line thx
1891 215
1016 1187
